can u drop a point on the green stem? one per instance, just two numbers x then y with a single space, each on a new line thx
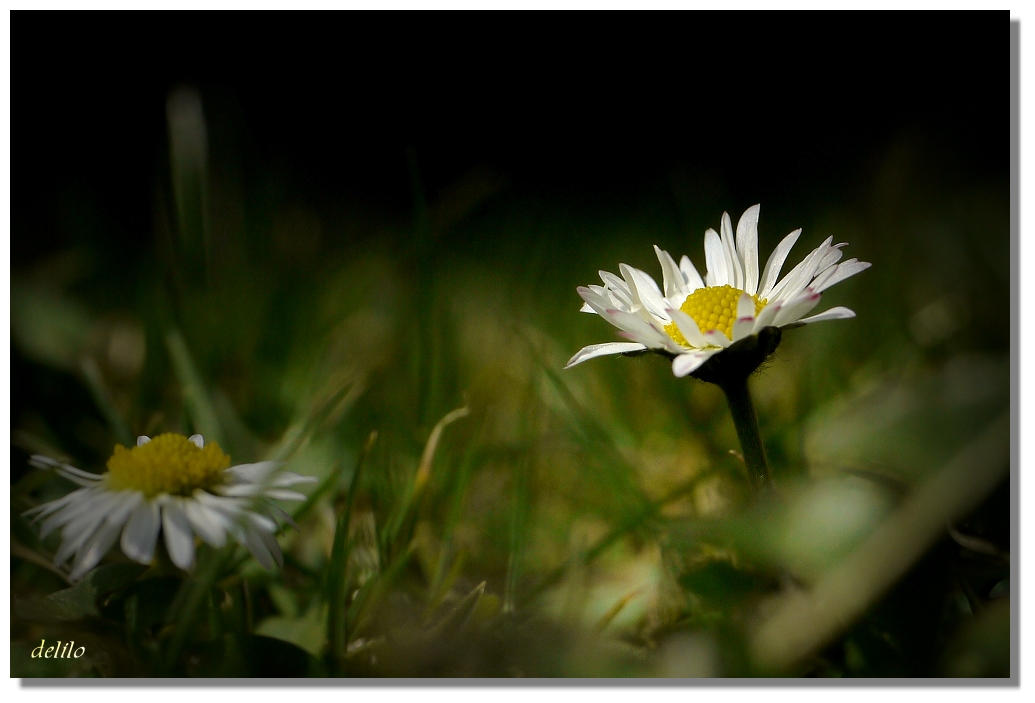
746 422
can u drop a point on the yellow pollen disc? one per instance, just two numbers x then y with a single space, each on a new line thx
169 463
712 308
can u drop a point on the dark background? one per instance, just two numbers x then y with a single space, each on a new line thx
772 107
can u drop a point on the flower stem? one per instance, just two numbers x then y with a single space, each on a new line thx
746 422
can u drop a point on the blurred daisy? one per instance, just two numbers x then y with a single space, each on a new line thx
175 485
694 318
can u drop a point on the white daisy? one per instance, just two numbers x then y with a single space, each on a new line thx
173 484
694 319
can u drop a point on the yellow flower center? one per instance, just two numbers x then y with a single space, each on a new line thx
169 463
712 308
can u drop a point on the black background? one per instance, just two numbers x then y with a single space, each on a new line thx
587 106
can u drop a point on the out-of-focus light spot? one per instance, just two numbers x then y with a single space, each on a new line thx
826 521
127 348
690 655
938 321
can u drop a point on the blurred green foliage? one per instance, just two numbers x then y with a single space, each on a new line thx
590 522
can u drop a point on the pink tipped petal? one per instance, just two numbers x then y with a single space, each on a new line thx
747 247
766 316
743 327
771 272
794 309
838 313
717 338
595 350
686 364
690 275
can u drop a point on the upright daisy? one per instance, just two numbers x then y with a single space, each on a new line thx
692 318
175 485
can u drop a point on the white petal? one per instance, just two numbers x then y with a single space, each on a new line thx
800 276
586 308
747 247
715 259
240 490
273 546
67 471
838 313
832 256
685 364
597 302
641 330
688 327
126 505
645 291
732 260
794 309
76 534
253 473
619 290
257 546
675 286
743 327
280 514
289 478
230 507
284 494
771 272
845 270
197 440
46 509
717 338
822 277
94 505
178 538
261 522
595 350
766 316
94 550
205 523
141 532
142 440
745 306
745 322
690 275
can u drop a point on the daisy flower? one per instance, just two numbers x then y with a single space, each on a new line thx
175 485
693 319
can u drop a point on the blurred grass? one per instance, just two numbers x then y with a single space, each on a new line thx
590 522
